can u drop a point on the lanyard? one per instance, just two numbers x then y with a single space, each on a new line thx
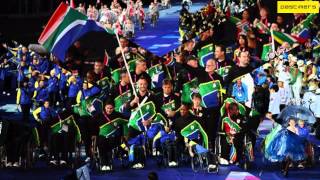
211 77
189 76
106 116
120 89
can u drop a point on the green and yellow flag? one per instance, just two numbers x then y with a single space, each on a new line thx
111 127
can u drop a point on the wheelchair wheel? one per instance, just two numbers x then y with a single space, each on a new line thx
2 157
310 155
165 157
124 159
196 163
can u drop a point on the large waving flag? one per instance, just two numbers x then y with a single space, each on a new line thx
302 30
205 53
66 26
145 111
193 130
188 89
209 92
111 127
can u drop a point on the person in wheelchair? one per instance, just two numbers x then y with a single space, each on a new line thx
44 116
234 126
196 140
109 138
166 140
16 142
64 133
183 118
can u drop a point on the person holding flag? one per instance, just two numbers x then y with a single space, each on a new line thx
141 70
233 124
140 117
89 90
111 132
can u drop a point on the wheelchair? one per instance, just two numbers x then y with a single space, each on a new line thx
24 143
162 154
3 137
117 153
199 161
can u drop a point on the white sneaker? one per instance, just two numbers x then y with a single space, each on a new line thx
108 168
104 168
3 92
212 167
170 164
223 161
140 166
16 164
53 162
154 152
173 164
8 94
9 164
62 162
135 166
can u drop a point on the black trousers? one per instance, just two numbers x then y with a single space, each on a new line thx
43 130
25 108
106 145
16 144
171 148
7 84
59 144
139 155
88 128
212 124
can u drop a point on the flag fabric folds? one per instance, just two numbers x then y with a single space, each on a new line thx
233 153
193 130
227 102
144 112
223 71
120 100
302 30
169 106
209 92
65 26
281 37
188 89
265 51
64 125
111 127
115 74
205 53
157 75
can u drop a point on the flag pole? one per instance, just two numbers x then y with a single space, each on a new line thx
130 78
272 41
